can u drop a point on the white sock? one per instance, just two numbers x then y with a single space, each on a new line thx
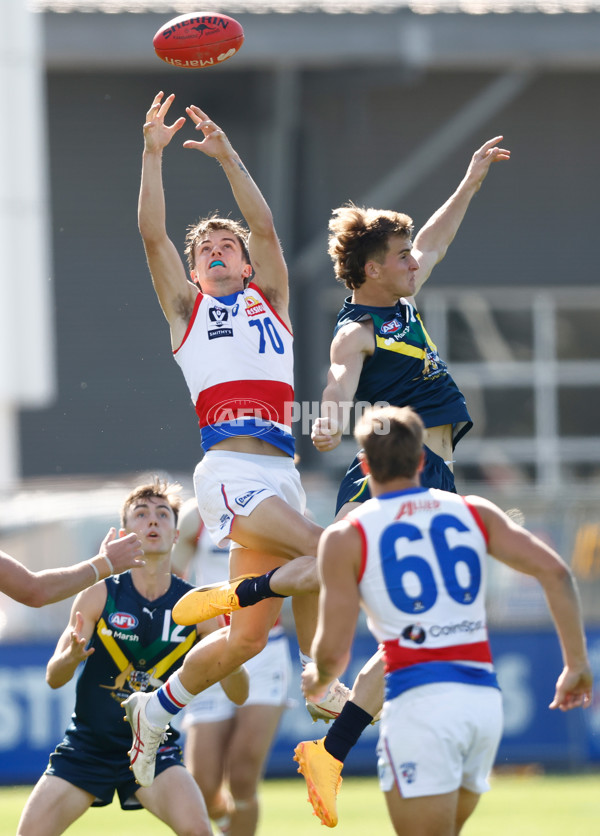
167 701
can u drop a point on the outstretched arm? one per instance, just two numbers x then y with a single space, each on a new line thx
71 648
270 270
175 293
338 562
349 349
433 240
35 589
523 551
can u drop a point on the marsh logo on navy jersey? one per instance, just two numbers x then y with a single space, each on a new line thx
217 328
122 621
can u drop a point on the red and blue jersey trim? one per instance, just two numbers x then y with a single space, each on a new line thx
272 435
408 667
404 679
398 656
270 400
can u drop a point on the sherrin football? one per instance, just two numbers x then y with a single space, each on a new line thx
199 39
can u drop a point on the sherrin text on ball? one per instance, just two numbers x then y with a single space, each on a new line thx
199 39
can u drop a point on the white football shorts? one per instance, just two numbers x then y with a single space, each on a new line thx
269 671
439 737
227 484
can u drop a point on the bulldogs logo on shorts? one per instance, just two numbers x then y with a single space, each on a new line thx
408 771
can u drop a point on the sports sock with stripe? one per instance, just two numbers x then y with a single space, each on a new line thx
167 701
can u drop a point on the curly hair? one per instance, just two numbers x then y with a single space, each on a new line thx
197 231
358 234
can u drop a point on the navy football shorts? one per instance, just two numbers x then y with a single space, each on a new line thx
102 773
355 488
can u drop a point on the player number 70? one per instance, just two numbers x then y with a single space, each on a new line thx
267 325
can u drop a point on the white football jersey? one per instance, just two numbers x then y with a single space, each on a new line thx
422 583
237 360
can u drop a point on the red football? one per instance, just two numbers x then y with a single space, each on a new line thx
200 39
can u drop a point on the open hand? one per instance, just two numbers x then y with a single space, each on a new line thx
484 157
215 142
77 647
124 553
157 135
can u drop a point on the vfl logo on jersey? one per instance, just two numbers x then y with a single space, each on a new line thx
414 633
254 307
245 498
408 771
218 317
122 621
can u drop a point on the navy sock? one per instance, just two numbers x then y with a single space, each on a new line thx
253 590
345 730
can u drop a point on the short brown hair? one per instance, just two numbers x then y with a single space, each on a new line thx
392 440
196 232
159 488
357 235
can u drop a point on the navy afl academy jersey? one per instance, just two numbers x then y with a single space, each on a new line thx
405 369
137 645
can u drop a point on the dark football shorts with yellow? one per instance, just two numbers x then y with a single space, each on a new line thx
355 485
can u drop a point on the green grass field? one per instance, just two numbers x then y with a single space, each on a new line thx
519 805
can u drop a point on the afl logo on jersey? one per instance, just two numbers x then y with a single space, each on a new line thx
391 327
122 621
